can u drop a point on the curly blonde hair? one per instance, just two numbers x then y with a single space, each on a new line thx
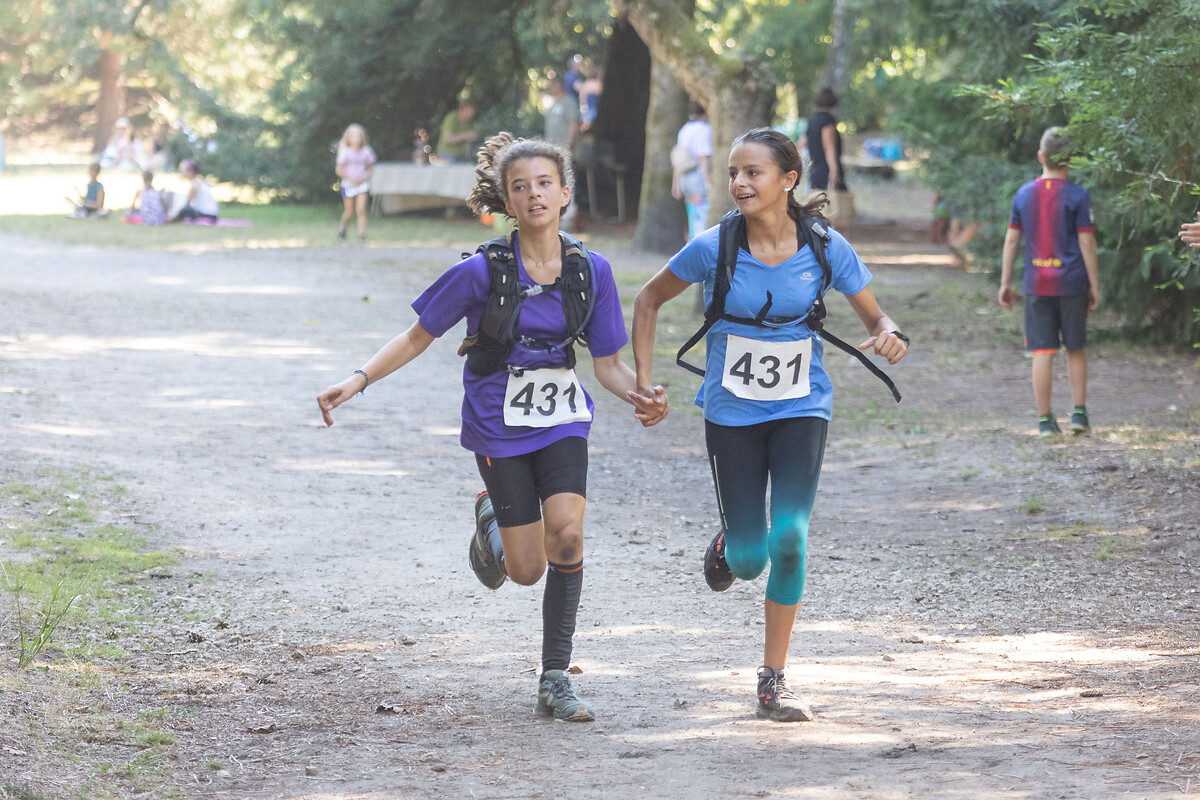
498 154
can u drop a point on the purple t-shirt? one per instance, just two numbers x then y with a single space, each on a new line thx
461 292
356 162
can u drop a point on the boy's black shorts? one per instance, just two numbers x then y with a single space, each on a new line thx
1046 318
518 485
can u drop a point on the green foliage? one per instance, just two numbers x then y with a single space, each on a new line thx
1118 75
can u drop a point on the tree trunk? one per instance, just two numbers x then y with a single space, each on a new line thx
837 60
111 104
662 220
619 133
738 92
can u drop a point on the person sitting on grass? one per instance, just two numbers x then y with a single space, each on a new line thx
148 207
91 200
200 205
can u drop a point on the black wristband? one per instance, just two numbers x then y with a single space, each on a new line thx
900 336
366 380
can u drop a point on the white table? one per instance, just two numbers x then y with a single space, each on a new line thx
397 187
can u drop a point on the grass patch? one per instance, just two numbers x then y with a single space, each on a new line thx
69 575
1034 505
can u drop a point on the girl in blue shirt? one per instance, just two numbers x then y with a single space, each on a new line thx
766 397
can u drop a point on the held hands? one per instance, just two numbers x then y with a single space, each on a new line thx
650 406
337 394
888 345
1190 232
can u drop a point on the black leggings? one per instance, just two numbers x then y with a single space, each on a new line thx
518 485
789 452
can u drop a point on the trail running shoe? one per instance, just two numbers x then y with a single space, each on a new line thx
362 238
556 698
1079 421
717 574
341 234
483 562
1048 426
776 701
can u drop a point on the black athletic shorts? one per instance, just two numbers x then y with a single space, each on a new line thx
518 485
1046 318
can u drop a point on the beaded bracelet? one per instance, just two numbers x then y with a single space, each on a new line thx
366 380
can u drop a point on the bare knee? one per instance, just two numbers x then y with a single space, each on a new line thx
564 543
525 574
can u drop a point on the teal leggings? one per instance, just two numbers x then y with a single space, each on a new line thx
789 453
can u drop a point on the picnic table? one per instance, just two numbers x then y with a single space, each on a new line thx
397 187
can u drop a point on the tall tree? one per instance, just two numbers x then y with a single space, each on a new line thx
737 89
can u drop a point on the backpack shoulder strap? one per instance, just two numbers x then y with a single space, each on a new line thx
728 238
816 235
578 284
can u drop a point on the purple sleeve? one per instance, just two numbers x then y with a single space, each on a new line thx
460 290
1014 220
371 157
606 331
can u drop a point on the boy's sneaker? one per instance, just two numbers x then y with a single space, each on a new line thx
1048 426
483 562
717 573
1079 420
776 701
341 234
362 238
556 698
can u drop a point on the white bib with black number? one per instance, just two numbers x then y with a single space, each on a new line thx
757 370
543 398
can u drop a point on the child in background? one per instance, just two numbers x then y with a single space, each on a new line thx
91 200
148 207
355 162
200 204
1061 281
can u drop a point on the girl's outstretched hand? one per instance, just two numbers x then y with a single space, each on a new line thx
888 345
649 408
337 394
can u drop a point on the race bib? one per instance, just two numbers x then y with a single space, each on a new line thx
756 370
543 398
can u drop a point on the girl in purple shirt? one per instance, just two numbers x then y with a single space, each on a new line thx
529 521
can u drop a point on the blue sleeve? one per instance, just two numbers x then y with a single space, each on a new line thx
606 330
697 261
1014 219
1084 222
850 274
461 288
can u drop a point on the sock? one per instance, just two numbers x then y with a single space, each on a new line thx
493 540
559 604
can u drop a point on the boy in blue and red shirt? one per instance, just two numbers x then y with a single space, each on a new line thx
1061 282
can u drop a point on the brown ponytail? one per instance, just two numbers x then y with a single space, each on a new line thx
787 158
498 154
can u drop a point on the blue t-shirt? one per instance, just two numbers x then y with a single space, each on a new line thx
1051 213
793 285
462 291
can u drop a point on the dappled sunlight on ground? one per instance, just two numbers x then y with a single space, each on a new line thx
223 345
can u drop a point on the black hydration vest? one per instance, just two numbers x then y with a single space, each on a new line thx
488 348
809 231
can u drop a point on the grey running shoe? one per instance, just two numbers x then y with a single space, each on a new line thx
776 701
1079 421
1048 426
556 698
341 234
483 562
717 574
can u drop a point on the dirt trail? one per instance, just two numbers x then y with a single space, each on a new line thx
968 583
